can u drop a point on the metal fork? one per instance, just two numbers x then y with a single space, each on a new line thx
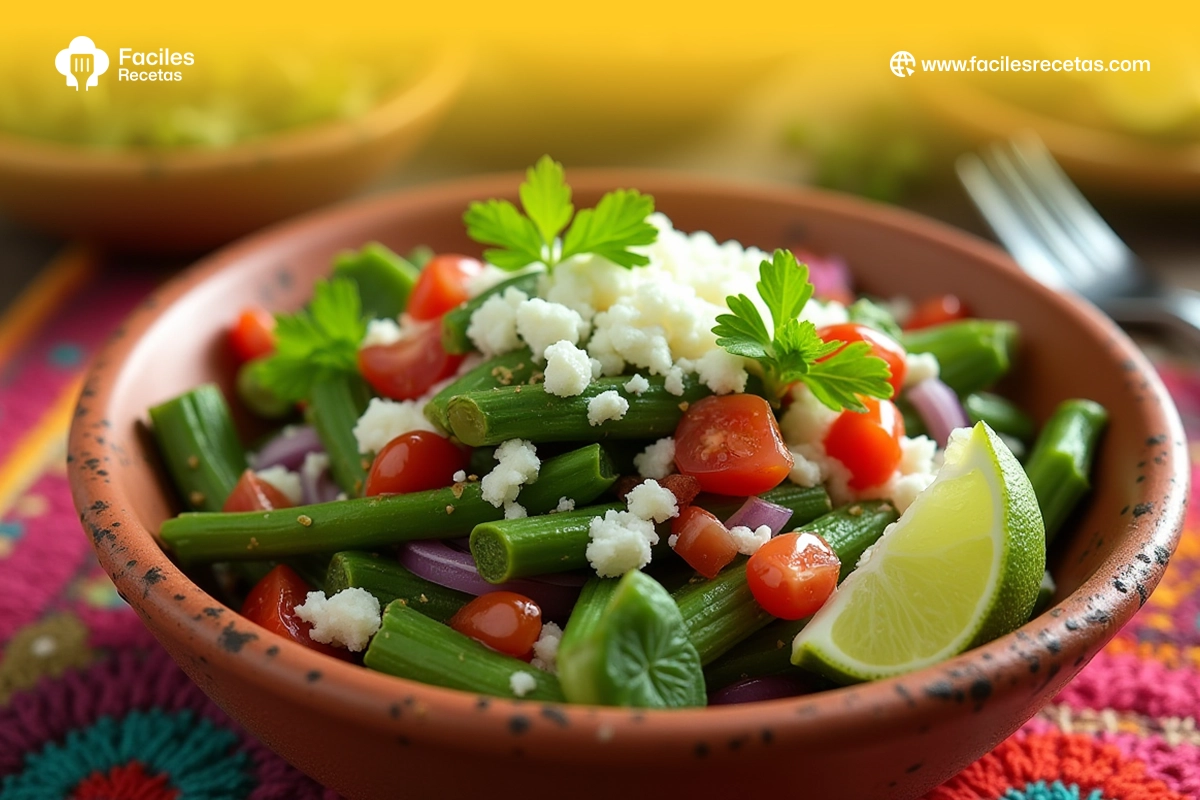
1059 238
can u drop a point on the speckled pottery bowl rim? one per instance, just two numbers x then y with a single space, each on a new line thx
1043 653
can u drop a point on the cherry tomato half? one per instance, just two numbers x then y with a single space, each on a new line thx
413 462
442 285
882 345
407 369
253 335
936 310
731 444
704 543
868 444
504 621
252 493
272 604
793 574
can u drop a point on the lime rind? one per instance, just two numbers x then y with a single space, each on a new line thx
866 631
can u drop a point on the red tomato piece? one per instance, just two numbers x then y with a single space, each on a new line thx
868 444
408 368
413 462
442 285
793 574
505 621
936 310
252 493
253 335
731 444
704 542
882 345
272 604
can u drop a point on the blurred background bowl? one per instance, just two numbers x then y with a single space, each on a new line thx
1115 140
192 198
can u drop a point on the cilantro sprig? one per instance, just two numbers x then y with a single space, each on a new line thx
617 223
791 350
317 343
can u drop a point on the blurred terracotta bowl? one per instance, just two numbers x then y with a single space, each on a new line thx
1097 158
366 733
192 199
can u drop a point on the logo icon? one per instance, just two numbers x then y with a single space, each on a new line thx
902 64
82 63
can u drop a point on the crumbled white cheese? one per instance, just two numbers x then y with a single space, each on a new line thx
823 313
545 649
672 540
637 384
284 480
620 542
804 472
460 476
919 367
348 619
568 370
722 371
916 455
565 504
522 683
515 511
807 419
748 541
674 381
493 326
652 502
517 464
657 460
605 406
385 419
541 324
381 332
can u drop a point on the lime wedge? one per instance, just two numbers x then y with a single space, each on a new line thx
959 568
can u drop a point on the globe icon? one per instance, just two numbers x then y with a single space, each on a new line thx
902 64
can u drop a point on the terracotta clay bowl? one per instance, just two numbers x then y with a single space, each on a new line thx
193 199
369 735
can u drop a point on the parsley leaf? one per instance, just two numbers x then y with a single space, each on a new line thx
547 198
499 222
617 223
794 351
317 343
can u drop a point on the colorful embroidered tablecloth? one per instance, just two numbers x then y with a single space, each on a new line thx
91 708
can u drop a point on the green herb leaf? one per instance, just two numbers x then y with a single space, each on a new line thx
793 350
743 332
498 222
617 223
784 287
546 198
317 343
840 379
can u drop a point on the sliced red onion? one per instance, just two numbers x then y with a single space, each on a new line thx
754 690
439 563
318 487
829 275
939 407
756 511
288 448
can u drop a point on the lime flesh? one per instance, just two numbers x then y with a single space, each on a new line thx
960 567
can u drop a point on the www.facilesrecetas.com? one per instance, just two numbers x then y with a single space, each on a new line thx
1008 64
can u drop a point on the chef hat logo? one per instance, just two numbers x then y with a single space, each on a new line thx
81 59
